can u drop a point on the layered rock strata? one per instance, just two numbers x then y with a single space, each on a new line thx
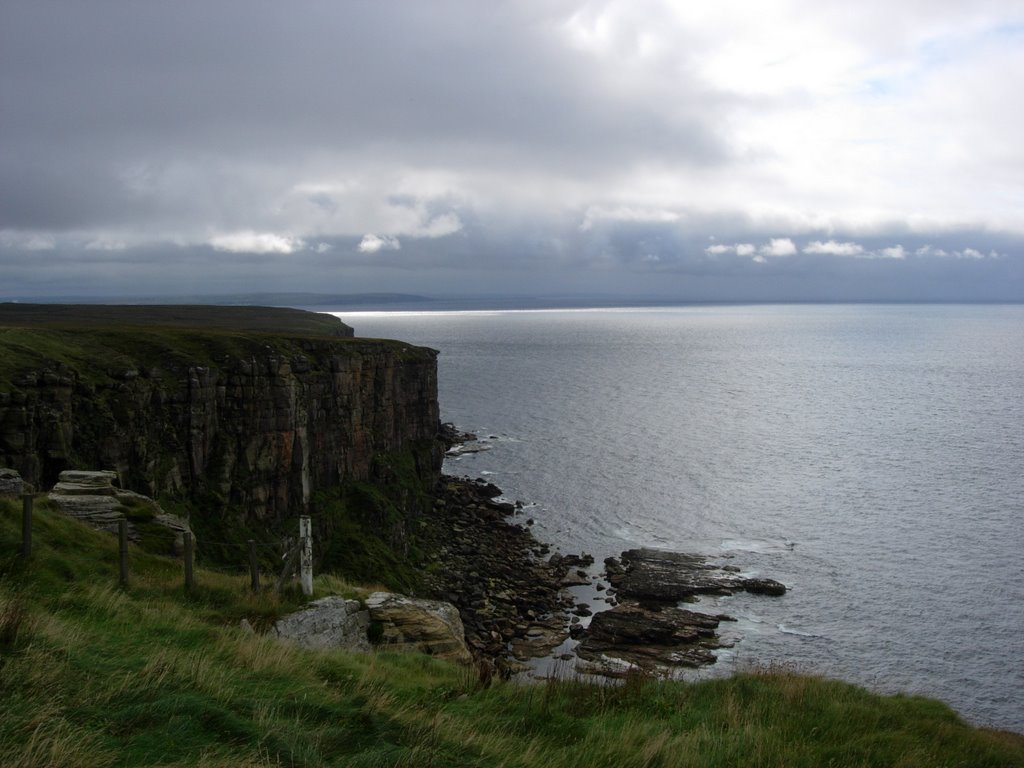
11 483
259 422
92 498
396 622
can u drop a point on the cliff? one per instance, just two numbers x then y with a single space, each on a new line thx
232 422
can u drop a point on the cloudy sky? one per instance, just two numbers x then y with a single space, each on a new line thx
719 150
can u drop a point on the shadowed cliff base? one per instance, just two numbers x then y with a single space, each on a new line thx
275 320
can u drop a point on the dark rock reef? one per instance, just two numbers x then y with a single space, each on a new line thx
648 629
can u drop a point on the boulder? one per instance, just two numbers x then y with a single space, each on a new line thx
428 626
764 587
330 622
11 483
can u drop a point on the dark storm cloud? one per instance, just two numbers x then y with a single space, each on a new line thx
529 146
92 88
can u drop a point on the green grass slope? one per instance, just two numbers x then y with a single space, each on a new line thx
92 675
277 320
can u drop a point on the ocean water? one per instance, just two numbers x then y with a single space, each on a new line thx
869 457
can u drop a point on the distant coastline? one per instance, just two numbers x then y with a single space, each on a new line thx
412 302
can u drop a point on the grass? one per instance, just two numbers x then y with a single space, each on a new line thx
91 675
277 320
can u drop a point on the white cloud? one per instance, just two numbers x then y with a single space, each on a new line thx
719 248
834 248
893 252
597 213
779 246
255 242
926 251
745 249
372 244
439 226
27 242
323 247
105 244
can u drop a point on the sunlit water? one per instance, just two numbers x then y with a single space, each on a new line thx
870 457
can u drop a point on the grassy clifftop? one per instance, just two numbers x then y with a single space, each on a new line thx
259 319
95 676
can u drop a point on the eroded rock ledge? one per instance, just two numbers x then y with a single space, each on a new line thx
648 629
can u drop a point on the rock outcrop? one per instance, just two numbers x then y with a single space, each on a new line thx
428 626
663 576
91 496
669 637
330 622
11 483
647 629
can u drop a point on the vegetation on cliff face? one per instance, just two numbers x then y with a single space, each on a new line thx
96 676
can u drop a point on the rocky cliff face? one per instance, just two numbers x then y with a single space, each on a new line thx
251 421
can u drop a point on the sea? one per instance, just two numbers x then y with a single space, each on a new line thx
870 457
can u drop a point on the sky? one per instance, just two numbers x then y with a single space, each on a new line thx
760 150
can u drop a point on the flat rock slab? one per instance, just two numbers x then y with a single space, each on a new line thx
75 481
669 637
662 576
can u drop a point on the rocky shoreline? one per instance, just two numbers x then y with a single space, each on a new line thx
513 594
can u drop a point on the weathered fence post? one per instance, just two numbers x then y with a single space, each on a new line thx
254 567
26 525
189 557
122 538
306 555
291 556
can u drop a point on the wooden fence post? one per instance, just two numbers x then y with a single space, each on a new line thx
254 567
27 500
306 555
291 556
189 556
122 537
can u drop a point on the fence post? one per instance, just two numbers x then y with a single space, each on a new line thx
306 555
254 567
122 537
27 500
189 555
